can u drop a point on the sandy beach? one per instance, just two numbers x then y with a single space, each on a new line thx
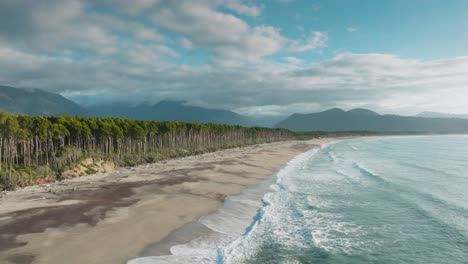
111 218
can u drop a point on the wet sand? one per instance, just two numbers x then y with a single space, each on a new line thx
114 217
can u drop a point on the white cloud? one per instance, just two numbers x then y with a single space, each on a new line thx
383 82
294 60
200 22
67 27
148 54
77 28
315 41
145 33
52 26
186 44
71 48
132 8
241 8
231 39
351 29
279 110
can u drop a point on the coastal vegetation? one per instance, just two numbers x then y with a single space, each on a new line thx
37 149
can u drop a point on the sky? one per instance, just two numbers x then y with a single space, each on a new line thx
258 58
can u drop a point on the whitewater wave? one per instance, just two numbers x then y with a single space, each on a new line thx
332 156
348 207
246 246
296 223
239 216
427 168
353 147
370 174
315 215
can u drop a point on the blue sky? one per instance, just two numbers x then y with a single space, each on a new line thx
272 57
421 29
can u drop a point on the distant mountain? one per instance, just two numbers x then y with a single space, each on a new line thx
441 115
266 121
171 110
36 102
366 120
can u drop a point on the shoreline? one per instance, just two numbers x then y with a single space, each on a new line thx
114 217
201 232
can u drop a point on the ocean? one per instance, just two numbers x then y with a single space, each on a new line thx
370 200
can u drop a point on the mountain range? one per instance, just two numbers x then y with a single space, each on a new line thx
441 115
365 120
171 110
38 102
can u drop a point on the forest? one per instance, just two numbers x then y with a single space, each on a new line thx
35 149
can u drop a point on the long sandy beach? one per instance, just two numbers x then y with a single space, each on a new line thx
111 218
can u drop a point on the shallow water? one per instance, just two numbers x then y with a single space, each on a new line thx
377 200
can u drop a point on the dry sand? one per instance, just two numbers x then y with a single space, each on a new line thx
111 218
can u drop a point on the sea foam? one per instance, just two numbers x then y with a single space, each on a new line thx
238 216
362 201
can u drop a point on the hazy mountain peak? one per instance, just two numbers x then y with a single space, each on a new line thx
367 120
363 111
36 102
169 110
334 110
429 114
169 102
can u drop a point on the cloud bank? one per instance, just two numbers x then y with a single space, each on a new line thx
105 51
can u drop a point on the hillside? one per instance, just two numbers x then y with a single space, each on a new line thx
36 102
366 120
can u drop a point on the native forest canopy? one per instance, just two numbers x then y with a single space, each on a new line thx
37 148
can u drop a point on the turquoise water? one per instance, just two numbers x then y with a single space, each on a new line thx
385 200
375 200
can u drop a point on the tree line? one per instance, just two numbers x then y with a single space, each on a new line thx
55 142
